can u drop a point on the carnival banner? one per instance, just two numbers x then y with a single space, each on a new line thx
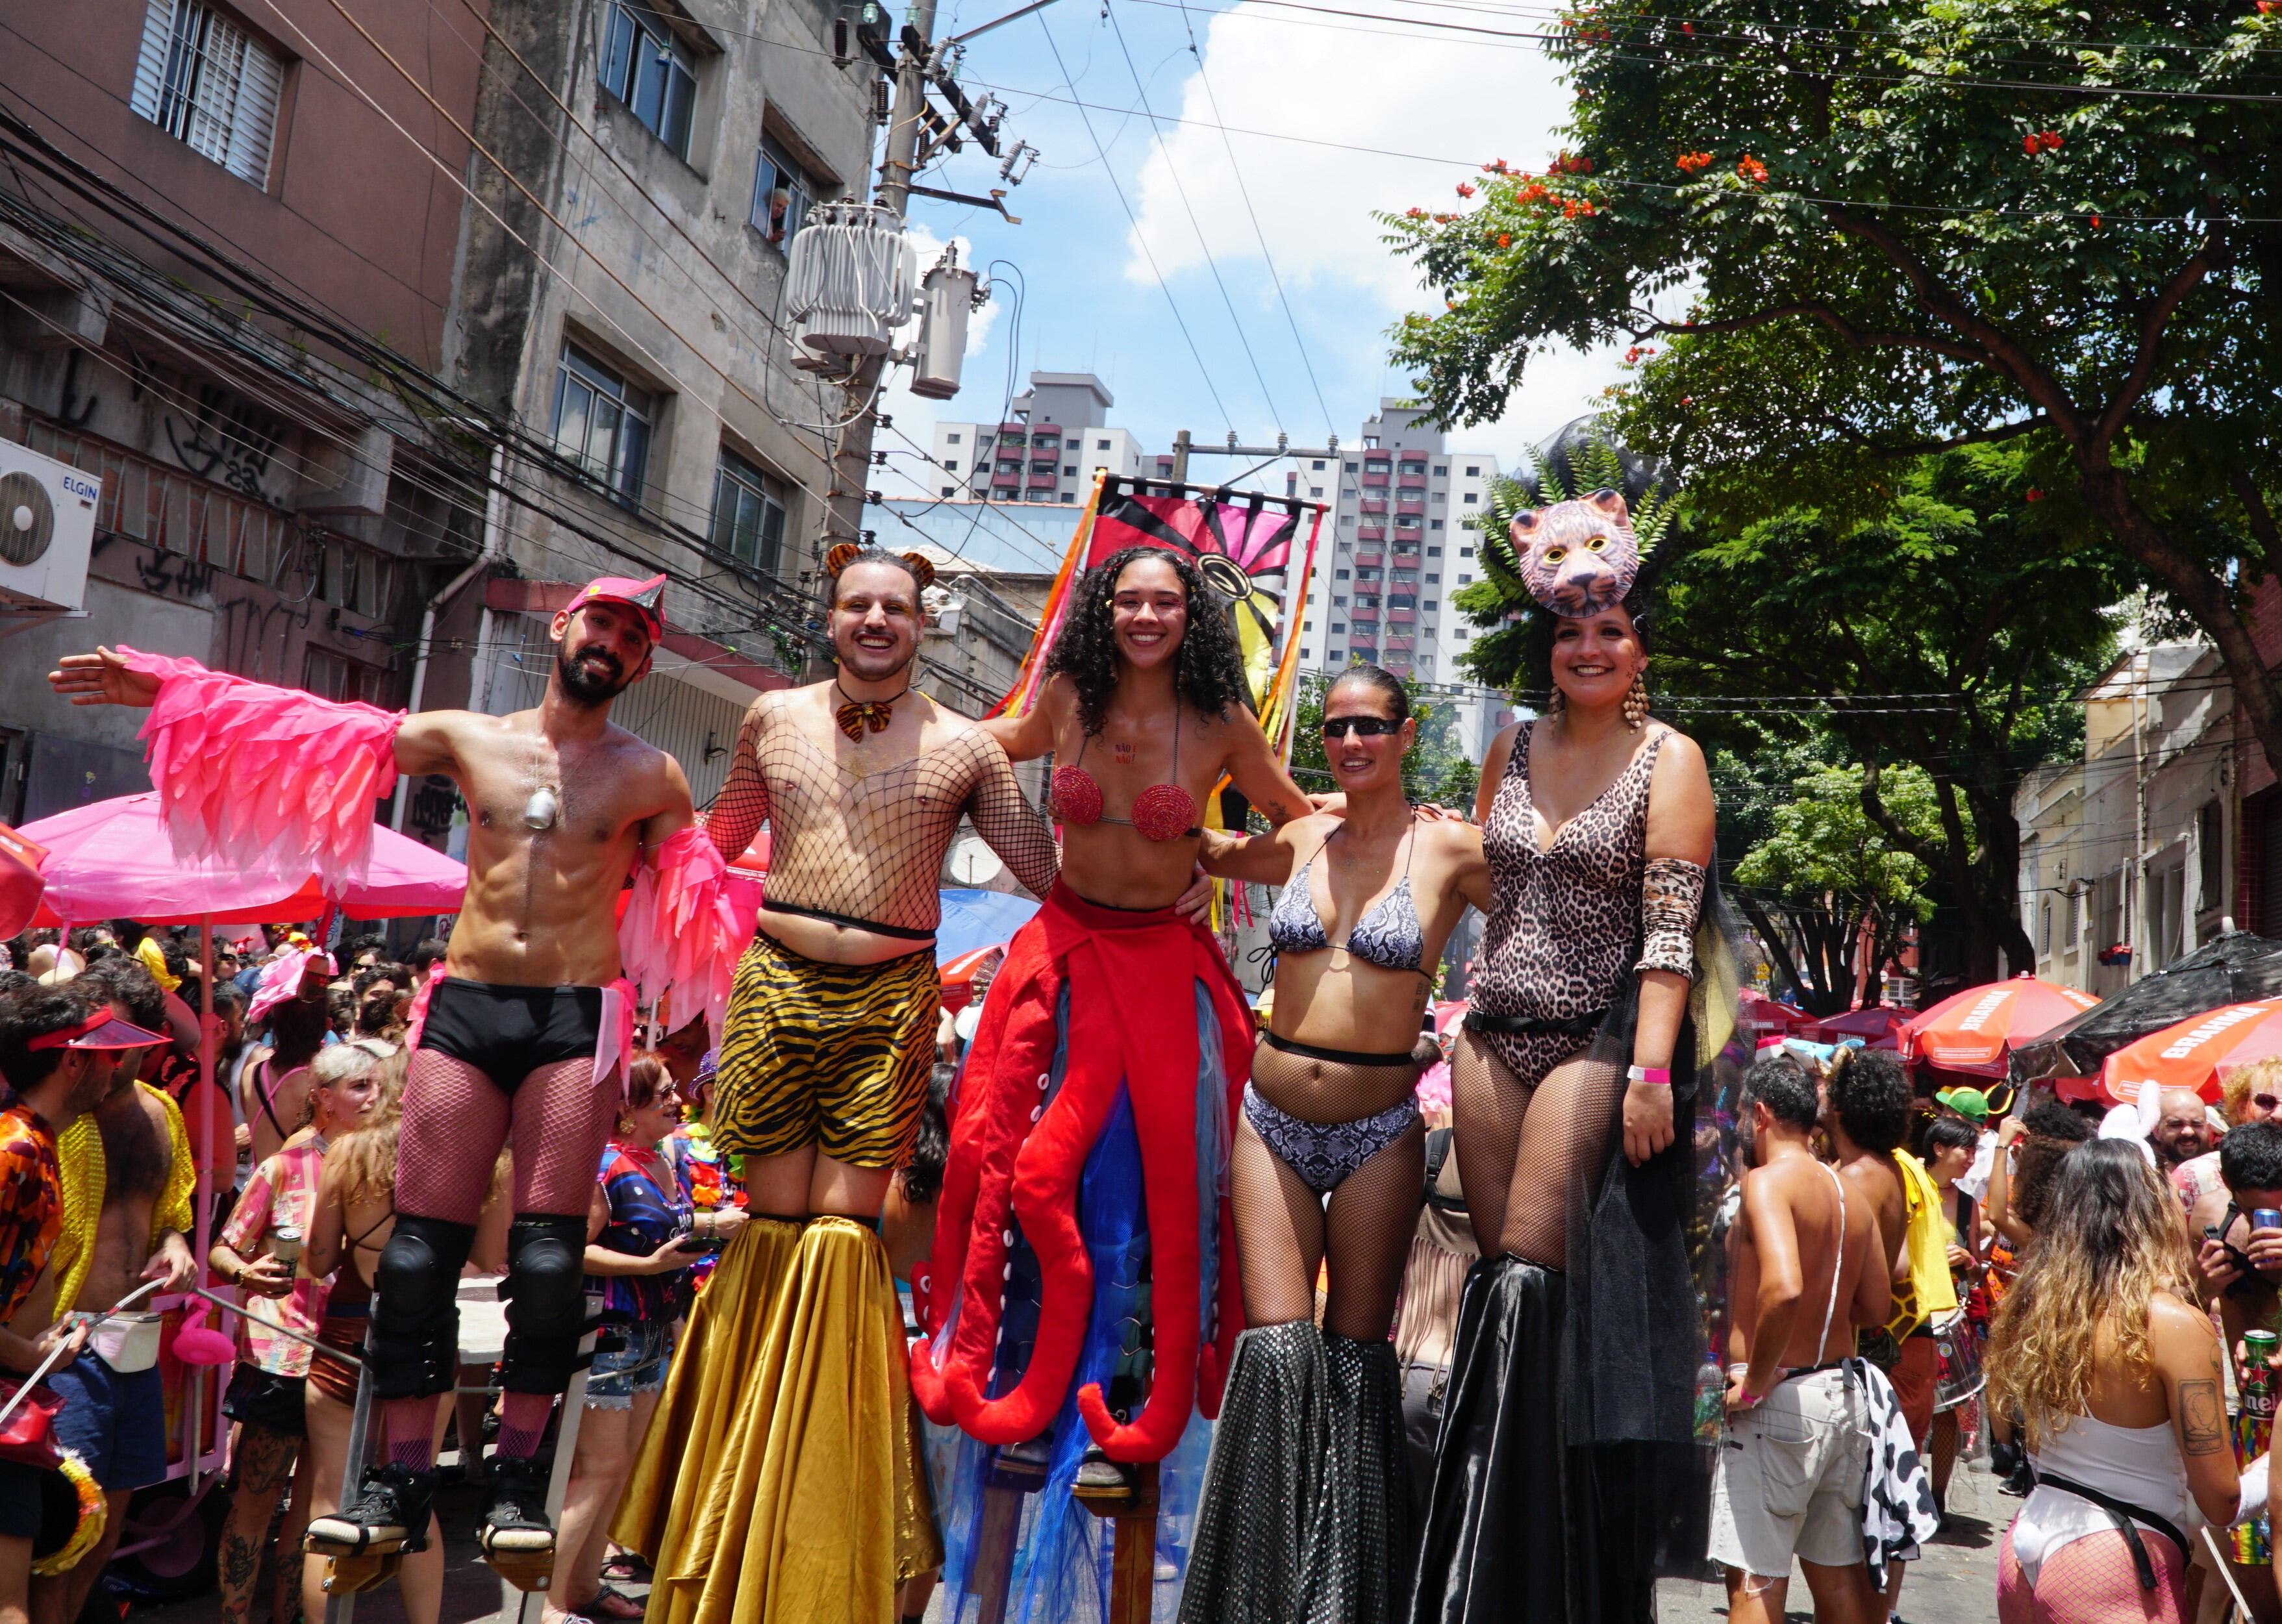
1243 543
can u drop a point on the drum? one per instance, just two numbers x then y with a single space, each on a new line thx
1957 1339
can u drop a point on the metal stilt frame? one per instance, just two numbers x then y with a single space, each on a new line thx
351 1575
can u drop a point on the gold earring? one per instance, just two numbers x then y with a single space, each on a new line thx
1636 701
625 1125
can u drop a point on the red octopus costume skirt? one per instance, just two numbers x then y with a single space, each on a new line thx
1019 1145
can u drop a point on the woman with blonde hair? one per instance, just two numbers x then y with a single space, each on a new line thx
2251 1093
2115 1373
355 1213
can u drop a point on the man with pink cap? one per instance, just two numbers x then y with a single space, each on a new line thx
521 1037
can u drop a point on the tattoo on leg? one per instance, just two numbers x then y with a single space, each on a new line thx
2202 1418
241 1565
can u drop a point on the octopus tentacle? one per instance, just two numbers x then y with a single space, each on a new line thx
967 1262
1047 1171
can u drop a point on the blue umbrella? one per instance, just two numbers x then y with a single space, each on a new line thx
978 919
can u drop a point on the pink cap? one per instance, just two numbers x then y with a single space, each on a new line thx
646 598
102 1029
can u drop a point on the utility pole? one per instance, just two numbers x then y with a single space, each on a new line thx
1185 446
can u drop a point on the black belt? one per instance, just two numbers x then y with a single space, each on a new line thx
1344 1057
901 933
2125 1516
1531 1026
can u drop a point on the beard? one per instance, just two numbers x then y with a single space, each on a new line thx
582 683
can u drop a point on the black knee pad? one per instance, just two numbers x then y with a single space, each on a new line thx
415 1314
545 1293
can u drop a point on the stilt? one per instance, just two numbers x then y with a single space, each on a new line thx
344 1576
1012 1478
1133 1563
524 1580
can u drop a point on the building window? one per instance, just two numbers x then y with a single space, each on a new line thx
1433 524
1070 470
2074 921
1347 519
2045 932
749 512
1471 499
1442 471
782 195
950 490
1101 445
209 84
1473 472
1339 574
1464 580
602 425
950 465
951 440
1070 496
1351 468
1430 605
1315 490
1465 552
328 676
1433 552
645 66
1338 626
1431 577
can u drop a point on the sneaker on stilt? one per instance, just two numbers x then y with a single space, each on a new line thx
390 1514
516 1525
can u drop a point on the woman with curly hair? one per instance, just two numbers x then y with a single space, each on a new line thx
2115 1370
1083 1213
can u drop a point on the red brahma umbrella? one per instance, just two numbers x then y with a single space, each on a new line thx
1974 1030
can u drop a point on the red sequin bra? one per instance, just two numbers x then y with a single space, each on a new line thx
1160 812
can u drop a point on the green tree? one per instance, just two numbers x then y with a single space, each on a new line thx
1948 630
1828 877
1436 770
1839 235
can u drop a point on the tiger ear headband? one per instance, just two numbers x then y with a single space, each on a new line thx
844 553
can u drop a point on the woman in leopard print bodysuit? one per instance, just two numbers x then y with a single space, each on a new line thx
1564 1460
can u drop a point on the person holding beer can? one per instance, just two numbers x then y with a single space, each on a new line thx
2238 1234
258 1253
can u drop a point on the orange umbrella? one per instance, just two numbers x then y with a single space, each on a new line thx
1972 1030
2198 1053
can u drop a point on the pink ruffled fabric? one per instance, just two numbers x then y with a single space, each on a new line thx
681 933
267 779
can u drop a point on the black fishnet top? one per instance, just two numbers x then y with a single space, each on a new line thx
863 845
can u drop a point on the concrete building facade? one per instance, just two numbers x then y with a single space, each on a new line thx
1046 450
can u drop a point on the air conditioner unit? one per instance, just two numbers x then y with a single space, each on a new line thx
47 528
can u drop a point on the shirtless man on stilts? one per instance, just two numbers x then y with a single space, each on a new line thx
521 1039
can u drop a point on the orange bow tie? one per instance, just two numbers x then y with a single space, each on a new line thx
854 717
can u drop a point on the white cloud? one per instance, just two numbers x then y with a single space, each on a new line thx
1447 97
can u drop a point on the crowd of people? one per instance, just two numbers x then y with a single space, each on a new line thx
895 1306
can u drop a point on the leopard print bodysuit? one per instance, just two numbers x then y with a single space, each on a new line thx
1563 925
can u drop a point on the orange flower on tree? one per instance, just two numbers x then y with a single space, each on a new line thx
1694 162
1752 170
1505 239
1465 191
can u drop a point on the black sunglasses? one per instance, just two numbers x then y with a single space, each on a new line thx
1368 726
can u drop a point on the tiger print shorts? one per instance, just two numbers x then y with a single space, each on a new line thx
833 1055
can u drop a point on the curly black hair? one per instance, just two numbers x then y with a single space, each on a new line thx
1207 668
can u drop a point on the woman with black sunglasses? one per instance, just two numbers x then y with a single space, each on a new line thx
1307 1496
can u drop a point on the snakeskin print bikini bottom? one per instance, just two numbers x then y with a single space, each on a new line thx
1324 1155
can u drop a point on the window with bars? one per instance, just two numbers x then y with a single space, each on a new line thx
749 512
210 84
602 423
654 74
782 194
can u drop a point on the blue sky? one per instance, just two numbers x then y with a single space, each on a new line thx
1435 105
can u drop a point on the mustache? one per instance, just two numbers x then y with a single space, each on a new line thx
597 652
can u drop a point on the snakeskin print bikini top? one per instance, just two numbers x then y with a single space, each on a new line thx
1388 934
1564 919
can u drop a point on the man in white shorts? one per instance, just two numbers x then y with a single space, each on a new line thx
1806 1269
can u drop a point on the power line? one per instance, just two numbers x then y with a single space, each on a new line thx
1140 241
1244 190
1180 189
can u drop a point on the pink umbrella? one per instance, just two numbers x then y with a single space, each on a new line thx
112 860
1879 1025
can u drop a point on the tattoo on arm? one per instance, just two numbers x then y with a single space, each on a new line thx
2202 1418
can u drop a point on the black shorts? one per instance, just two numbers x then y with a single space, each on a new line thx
23 1491
507 1033
266 1400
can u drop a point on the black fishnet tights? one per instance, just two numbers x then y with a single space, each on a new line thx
455 1119
1524 1147
1283 1229
856 832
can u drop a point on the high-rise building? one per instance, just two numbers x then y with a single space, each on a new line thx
1046 450
1396 543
